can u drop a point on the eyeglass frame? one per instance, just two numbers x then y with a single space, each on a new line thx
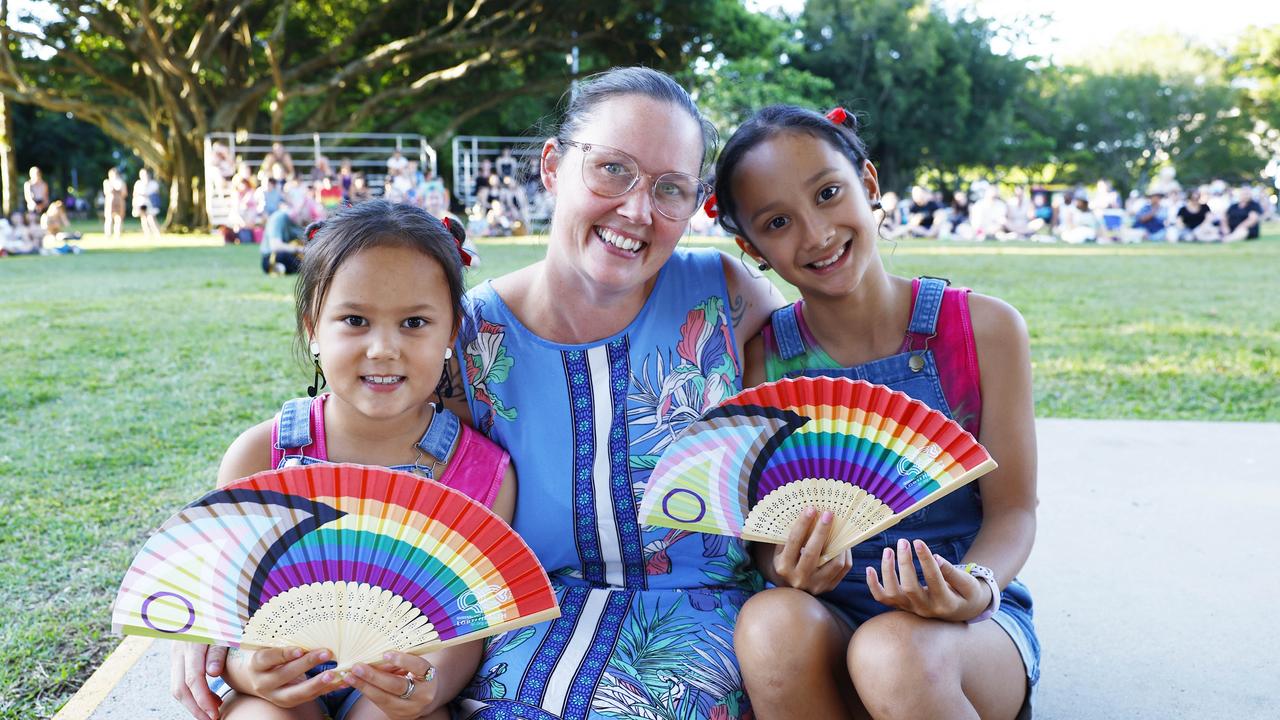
704 188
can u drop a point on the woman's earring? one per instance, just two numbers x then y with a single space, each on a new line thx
319 382
764 266
875 204
448 353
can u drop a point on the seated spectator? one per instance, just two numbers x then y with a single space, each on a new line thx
359 189
57 230
1020 210
397 163
1194 223
247 216
434 196
321 170
496 219
146 204
18 238
223 166
1244 217
920 214
515 202
1079 223
36 191
957 225
278 156
506 165
345 178
302 203
282 242
1041 213
271 193
990 217
486 183
895 216
1151 218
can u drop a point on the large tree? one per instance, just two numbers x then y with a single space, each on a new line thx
933 92
157 75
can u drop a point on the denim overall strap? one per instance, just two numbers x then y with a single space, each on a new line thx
924 319
786 331
441 434
295 425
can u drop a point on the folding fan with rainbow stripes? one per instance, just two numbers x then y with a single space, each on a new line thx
750 466
356 559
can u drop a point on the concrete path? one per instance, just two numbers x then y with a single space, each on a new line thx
1153 577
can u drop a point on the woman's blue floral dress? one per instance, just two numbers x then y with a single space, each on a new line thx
648 613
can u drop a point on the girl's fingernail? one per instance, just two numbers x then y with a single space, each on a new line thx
902 545
808 512
358 671
388 657
888 553
295 653
826 517
328 678
323 655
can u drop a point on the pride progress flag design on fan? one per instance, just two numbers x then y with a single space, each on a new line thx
351 530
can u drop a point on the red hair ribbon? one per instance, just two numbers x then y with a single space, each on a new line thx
709 207
837 115
462 253
311 231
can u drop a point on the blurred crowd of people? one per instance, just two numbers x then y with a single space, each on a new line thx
506 197
1166 213
44 228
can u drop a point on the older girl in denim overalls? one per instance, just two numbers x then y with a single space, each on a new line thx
893 627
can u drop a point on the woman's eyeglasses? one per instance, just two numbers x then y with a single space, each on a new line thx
612 173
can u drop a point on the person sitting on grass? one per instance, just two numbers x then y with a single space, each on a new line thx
282 240
379 302
1151 218
863 633
57 231
1244 216
1194 223
22 239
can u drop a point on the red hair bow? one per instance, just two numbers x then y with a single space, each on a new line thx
837 115
709 206
448 225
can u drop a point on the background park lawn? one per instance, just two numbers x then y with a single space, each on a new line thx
127 370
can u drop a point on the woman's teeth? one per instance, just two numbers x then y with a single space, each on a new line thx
383 379
618 241
831 260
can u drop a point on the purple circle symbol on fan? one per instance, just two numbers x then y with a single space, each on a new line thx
702 506
191 612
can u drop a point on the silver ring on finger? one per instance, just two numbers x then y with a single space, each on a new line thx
408 691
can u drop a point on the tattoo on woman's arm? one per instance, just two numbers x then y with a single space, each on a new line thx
738 309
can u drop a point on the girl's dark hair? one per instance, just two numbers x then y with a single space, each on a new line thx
374 223
622 81
772 121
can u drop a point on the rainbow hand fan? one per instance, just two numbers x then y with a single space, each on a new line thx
356 559
750 466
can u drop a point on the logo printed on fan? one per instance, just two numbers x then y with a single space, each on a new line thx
483 601
908 467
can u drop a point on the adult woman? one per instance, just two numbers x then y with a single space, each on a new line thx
114 194
146 203
36 191
584 366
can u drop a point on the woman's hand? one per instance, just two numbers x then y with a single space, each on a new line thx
279 675
798 563
189 663
948 593
403 687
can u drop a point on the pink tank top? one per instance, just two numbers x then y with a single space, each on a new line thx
475 467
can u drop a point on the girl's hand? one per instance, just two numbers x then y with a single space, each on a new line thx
279 675
948 593
387 685
188 664
798 563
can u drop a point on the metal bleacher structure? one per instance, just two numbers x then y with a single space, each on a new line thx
367 152
469 151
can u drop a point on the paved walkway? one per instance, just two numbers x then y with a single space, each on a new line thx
1153 579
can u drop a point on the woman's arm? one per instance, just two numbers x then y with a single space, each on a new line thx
752 298
1008 432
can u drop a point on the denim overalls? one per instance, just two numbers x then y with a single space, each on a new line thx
949 525
295 433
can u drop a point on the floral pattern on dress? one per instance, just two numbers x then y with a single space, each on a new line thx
676 391
662 669
486 363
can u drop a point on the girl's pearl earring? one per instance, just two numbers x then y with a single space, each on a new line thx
448 353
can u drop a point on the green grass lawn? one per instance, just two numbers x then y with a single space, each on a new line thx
127 370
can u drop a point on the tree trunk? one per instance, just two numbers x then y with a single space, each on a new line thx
10 197
185 175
